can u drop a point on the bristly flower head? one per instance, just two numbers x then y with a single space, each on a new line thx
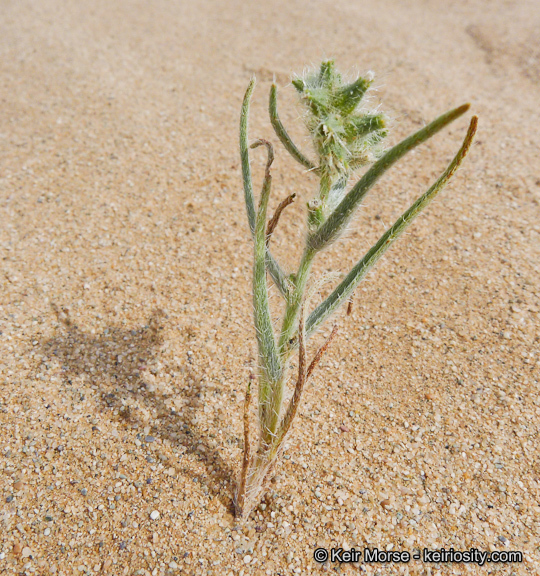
345 137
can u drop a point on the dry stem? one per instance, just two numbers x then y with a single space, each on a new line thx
273 222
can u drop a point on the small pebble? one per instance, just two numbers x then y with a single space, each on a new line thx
18 485
503 539
84 491
149 439
154 515
47 531
9 498
26 552
344 428
385 503
247 559
173 565
17 548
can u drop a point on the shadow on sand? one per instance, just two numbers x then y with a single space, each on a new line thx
115 362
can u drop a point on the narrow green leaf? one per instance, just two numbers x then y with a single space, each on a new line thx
282 133
244 156
340 295
342 215
268 357
273 267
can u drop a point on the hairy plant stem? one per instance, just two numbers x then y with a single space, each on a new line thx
290 320
271 415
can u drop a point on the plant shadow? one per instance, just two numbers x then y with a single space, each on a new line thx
115 363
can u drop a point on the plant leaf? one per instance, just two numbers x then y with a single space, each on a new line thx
340 217
268 357
281 133
273 267
347 286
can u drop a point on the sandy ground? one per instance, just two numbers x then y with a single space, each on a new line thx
126 336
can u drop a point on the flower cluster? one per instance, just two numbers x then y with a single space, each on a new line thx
345 135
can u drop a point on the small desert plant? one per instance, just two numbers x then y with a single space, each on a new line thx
346 137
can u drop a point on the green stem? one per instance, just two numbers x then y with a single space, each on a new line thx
288 330
271 411
290 321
